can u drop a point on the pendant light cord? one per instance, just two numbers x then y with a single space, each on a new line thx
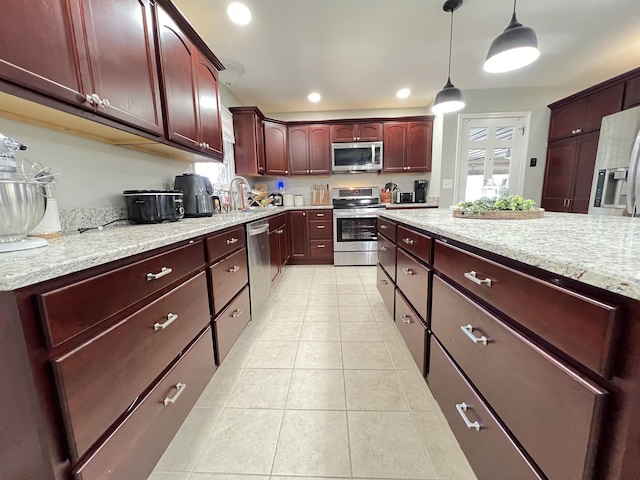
450 42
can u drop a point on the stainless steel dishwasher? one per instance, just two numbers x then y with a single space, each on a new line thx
259 264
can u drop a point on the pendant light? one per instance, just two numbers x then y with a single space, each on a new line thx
450 98
514 48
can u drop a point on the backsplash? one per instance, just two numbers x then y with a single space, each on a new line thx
75 218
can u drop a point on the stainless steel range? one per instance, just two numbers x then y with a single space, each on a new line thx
355 238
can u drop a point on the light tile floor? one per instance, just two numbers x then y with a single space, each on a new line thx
319 386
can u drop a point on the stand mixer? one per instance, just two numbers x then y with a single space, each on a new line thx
22 199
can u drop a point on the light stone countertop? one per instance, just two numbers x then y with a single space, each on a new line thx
394 206
74 252
596 250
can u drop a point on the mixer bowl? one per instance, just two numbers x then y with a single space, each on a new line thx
22 207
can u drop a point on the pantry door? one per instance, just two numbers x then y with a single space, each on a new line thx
491 155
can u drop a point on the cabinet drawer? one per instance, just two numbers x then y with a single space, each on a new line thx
386 287
134 448
99 380
417 243
321 229
387 256
583 328
531 384
222 244
320 215
228 276
412 330
387 228
491 452
73 309
230 323
413 280
321 249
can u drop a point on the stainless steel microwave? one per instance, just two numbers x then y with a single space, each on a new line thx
356 157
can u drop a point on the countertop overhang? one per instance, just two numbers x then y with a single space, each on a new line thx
596 250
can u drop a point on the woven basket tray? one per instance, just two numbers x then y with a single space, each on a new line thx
501 214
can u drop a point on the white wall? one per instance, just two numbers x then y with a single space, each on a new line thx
92 174
534 100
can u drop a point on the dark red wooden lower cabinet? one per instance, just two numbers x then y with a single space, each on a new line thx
491 452
135 446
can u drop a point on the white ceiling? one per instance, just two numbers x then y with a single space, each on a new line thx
358 53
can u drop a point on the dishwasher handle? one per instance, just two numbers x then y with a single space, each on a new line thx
258 230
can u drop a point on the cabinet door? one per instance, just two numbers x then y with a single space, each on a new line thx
299 150
395 141
565 120
128 86
39 48
178 57
558 181
319 150
261 160
598 105
274 253
275 148
246 150
632 93
586 150
343 133
284 243
369 132
299 234
208 107
419 137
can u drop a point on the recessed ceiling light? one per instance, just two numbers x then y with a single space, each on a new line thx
314 97
239 13
403 93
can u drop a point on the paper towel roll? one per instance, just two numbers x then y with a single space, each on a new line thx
287 200
298 201
49 226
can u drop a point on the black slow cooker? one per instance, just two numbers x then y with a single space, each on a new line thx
154 206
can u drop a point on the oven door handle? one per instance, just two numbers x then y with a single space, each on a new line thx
354 215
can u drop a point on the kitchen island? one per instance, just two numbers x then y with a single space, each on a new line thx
534 325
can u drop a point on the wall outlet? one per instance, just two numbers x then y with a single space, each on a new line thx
533 162
447 183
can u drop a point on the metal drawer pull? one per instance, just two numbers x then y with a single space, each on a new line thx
319 214
234 269
468 331
179 389
155 276
383 227
384 282
408 271
473 277
462 408
319 226
406 318
321 245
171 317
408 241
236 313
383 248
231 241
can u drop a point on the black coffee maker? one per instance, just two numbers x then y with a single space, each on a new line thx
420 191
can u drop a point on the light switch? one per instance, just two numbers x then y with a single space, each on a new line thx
533 162
447 183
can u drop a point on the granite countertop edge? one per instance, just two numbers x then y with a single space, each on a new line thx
75 252
598 251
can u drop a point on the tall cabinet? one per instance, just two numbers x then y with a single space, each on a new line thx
573 140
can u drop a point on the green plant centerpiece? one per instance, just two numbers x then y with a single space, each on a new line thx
513 206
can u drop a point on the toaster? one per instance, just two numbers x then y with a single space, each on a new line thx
403 197
198 194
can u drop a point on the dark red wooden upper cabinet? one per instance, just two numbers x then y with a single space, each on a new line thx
319 150
178 56
275 148
565 120
598 105
39 48
419 141
632 93
298 150
122 56
395 141
209 106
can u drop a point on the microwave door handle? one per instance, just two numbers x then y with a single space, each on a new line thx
633 183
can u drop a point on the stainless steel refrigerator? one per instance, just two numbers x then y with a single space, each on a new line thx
616 180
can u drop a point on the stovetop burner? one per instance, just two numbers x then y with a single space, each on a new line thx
356 197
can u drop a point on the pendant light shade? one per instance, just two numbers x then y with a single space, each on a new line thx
514 48
450 98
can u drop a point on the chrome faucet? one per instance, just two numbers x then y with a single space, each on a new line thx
232 197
